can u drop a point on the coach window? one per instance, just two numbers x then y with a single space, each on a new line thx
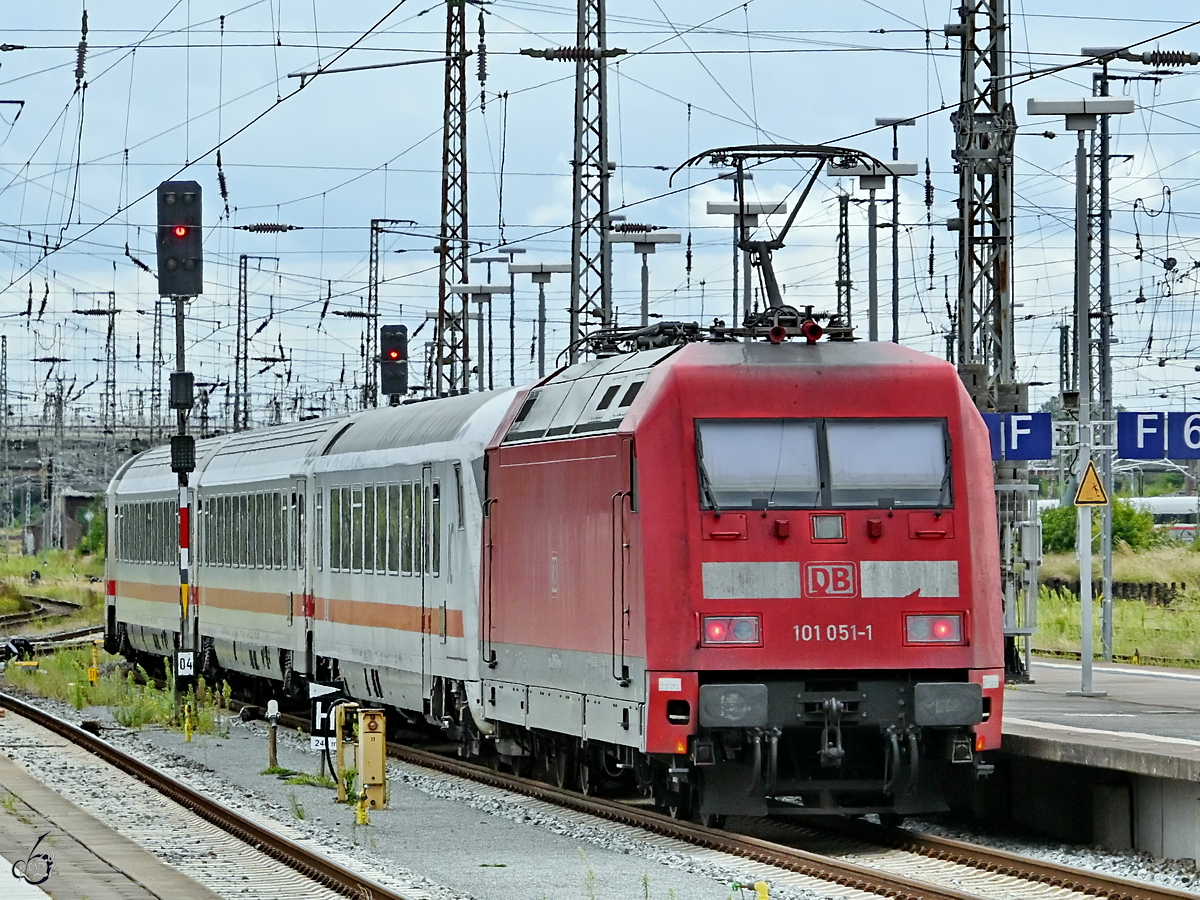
345 518
356 530
368 551
418 529
319 523
269 530
435 517
406 529
226 525
881 463
758 463
393 540
458 496
381 528
335 529
280 530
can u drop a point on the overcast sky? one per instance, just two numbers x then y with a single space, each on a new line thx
167 83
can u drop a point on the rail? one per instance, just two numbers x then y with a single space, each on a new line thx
307 862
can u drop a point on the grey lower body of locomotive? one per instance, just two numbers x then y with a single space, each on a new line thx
833 746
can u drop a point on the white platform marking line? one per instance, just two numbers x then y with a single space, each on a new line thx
1141 673
1123 734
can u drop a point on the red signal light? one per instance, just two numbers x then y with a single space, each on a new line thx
180 231
393 354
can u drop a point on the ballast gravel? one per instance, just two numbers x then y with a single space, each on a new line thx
450 839
442 837
1181 874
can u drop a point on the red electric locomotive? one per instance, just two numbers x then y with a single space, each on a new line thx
761 575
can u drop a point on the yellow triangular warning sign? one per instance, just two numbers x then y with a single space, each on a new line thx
1091 491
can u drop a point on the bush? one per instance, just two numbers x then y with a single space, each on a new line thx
1130 527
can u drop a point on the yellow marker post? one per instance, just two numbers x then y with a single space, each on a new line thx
93 671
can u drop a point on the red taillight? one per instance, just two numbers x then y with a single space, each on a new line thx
731 630
937 629
111 587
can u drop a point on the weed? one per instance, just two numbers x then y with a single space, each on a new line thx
278 770
311 780
349 779
297 806
589 875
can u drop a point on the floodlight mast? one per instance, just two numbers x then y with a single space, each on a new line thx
756 154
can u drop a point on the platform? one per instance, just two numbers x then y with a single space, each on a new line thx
89 858
1149 724
1121 771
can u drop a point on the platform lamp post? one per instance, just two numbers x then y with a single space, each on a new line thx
872 179
895 124
511 252
481 294
1081 115
541 273
645 243
491 363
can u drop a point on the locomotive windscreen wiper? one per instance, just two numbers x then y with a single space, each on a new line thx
705 483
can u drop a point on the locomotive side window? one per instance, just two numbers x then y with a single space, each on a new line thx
884 463
748 463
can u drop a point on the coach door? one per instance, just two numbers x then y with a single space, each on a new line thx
299 618
433 594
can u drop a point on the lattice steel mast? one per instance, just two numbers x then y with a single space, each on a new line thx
591 259
451 345
985 129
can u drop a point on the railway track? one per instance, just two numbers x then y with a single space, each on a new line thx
854 860
43 608
861 859
306 861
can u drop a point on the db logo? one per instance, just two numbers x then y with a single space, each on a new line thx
830 579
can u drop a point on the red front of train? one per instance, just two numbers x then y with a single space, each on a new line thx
784 561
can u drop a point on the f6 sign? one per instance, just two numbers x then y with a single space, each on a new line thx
1156 435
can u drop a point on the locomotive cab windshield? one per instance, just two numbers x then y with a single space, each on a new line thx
823 463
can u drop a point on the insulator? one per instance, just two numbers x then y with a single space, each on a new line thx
1170 58
571 53
80 57
928 184
633 227
224 186
481 62
268 228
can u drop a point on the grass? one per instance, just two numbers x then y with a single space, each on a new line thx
65 576
1169 633
297 806
132 697
305 778
1166 564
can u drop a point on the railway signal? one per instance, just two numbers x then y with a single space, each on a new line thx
393 360
180 248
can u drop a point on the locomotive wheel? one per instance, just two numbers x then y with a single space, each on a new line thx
587 773
680 804
562 766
